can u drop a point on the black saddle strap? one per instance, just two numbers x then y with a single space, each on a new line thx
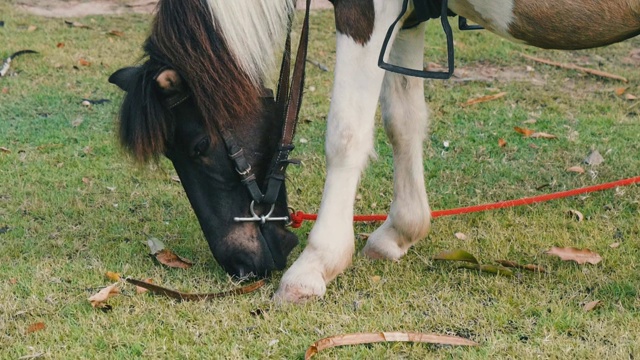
425 10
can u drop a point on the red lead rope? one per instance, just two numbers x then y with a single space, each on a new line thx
297 218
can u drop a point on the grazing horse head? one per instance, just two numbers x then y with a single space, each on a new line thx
197 83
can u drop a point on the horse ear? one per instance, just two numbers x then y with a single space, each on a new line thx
124 77
169 81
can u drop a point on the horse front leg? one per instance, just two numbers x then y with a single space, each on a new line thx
349 144
405 117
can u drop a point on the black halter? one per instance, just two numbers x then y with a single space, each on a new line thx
289 100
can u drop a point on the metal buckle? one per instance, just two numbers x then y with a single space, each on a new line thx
243 173
260 218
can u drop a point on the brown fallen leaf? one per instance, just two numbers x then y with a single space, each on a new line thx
524 131
166 256
630 97
502 142
84 62
4 150
615 245
371 338
456 255
530 121
36 327
620 91
98 300
13 281
195 297
576 169
543 135
60 45
591 305
116 33
170 259
32 28
529 267
112 276
580 256
482 99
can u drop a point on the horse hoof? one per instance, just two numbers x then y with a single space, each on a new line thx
302 289
383 245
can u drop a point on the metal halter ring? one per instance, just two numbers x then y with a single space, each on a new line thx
260 218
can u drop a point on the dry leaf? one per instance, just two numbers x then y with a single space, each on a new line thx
116 33
529 267
630 97
97 300
594 158
84 62
140 289
498 270
371 338
170 259
155 245
581 256
5 90
482 99
60 45
524 131
13 281
460 236
543 135
615 245
576 215
376 279
112 276
576 169
35 327
175 178
76 24
502 142
620 91
4 150
86 181
591 305
196 297
77 122
456 255
32 28
530 121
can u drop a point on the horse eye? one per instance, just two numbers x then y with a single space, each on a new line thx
201 147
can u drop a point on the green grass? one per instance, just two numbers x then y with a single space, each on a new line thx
65 233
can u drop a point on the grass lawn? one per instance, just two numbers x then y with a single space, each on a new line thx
73 206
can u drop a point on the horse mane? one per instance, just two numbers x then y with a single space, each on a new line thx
224 81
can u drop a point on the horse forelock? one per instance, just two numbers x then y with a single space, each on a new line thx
184 36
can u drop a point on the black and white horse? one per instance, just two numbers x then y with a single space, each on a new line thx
206 68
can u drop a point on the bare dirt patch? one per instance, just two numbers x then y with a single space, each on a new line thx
80 8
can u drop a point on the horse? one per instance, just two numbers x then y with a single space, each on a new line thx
204 79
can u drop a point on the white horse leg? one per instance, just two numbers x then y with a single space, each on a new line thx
349 144
405 115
